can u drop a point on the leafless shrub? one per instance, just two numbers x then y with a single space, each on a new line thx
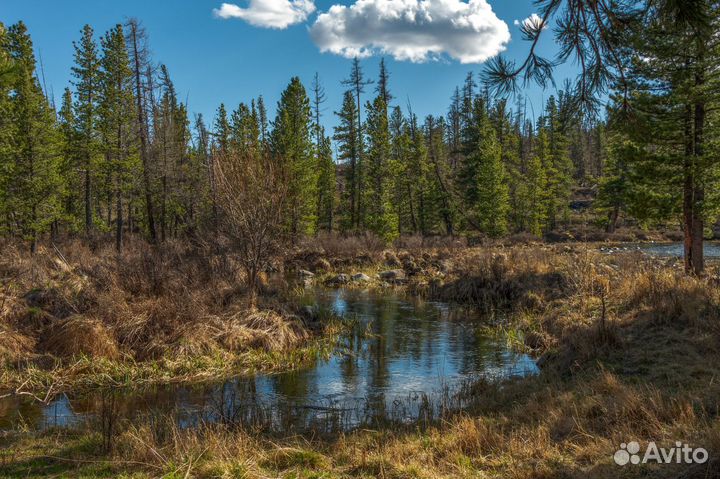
251 197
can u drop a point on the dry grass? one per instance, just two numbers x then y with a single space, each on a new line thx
536 428
148 304
629 348
76 336
265 330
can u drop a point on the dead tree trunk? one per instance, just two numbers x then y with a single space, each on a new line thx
143 127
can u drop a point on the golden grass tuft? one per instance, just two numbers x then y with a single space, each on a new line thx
14 345
80 336
263 329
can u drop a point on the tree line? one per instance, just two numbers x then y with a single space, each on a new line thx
121 154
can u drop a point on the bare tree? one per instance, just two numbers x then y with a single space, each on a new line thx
251 196
139 58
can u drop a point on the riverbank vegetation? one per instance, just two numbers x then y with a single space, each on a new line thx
627 346
81 316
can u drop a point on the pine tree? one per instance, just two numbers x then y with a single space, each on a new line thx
244 131
326 185
7 77
383 84
468 171
492 194
204 159
454 137
262 121
469 116
87 91
117 113
379 215
406 177
349 157
616 185
326 189
72 178
189 186
357 83
318 99
676 95
558 166
533 196
33 185
440 174
6 64
520 171
292 148
171 127
221 130
138 49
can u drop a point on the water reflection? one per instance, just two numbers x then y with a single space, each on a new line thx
665 250
402 361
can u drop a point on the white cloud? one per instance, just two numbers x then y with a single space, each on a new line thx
278 14
414 30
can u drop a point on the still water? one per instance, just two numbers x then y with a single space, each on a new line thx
404 360
711 249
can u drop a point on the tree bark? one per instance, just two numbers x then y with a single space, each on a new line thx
698 260
688 190
88 205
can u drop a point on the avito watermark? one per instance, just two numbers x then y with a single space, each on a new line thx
680 454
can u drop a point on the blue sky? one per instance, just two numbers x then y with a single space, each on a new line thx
213 59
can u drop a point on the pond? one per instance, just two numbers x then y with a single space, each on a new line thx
404 360
665 250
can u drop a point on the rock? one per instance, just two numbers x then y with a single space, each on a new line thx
392 275
361 278
305 273
338 280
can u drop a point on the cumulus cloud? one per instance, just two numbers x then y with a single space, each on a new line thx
278 14
414 30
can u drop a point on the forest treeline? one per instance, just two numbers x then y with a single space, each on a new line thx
119 153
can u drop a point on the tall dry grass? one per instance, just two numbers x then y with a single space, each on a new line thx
169 301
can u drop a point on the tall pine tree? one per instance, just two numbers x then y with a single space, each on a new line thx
292 149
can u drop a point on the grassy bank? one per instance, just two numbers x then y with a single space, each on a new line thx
75 316
629 349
